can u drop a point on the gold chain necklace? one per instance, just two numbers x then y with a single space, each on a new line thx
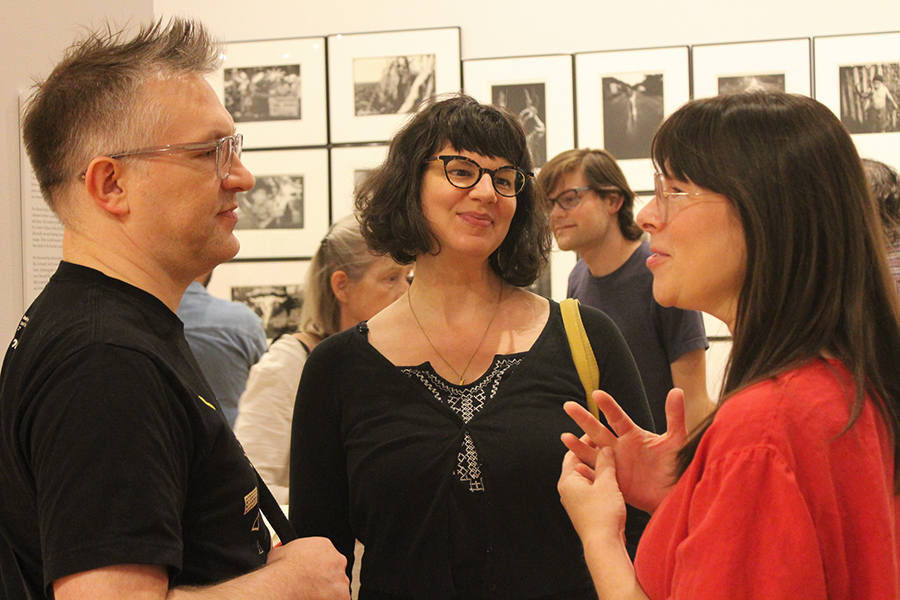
462 376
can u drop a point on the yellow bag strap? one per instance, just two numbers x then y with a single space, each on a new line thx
582 353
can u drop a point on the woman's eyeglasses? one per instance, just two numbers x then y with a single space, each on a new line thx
465 173
670 203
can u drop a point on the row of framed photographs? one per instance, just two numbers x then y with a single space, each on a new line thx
310 146
276 89
274 289
290 208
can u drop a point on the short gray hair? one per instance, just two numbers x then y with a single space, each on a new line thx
91 102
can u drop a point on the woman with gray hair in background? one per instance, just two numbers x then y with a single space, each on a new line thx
884 182
345 284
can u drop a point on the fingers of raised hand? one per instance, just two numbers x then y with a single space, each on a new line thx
582 448
620 422
571 462
594 429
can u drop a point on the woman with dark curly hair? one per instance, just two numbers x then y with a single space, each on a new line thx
431 432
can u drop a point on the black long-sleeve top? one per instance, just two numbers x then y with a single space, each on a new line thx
373 455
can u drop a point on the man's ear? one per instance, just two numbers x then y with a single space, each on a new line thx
339 281
103 180
616 199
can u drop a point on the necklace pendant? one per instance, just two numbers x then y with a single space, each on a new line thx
462 381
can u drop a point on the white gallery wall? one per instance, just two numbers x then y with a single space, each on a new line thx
33 36
495 28
35 32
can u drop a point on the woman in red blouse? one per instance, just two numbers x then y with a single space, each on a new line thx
761 218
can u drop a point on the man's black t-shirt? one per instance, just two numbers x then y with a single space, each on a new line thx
112 447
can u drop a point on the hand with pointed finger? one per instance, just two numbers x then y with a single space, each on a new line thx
645 461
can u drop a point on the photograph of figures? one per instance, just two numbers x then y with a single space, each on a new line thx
623 97
392 85
538 89
869 97
286 213
275 202
528 102
858 77
275 91
376 79
273 289
270 93
632 111
278 306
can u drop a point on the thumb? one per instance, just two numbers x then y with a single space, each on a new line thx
675 413
606 460
605 469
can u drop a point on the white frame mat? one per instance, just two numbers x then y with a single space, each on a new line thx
312 164
788 58
344 49
590 68
309 53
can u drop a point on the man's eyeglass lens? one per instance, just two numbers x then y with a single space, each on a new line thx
226 149
570 198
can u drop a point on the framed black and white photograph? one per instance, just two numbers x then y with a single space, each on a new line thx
375 80
539 89
869 95
273 289
286 214
622 98
858 77
778 65
349 166
275 202
275 91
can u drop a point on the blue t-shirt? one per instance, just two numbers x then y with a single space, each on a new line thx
656 335
227 338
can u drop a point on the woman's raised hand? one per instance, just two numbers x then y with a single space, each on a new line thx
644 461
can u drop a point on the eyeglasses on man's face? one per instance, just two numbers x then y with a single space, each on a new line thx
569 199
671 202
465 173
225 149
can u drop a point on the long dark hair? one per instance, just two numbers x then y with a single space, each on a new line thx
389 201
817 278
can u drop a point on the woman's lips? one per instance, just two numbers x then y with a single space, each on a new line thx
656 259
476 219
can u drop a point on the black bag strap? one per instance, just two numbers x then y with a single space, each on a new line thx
272 511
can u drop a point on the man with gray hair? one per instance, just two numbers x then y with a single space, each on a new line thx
119 475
